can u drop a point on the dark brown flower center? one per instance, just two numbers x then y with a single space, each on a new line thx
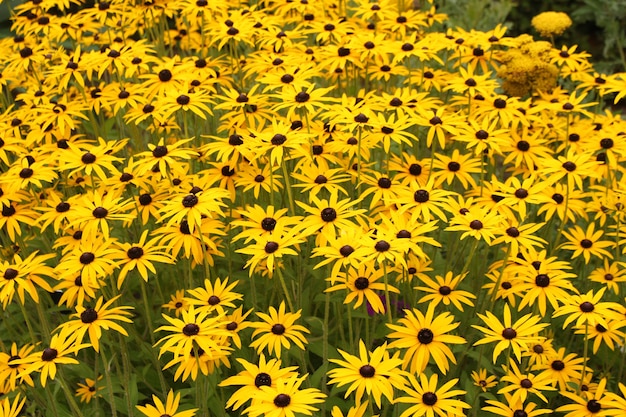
329 214
425 336
100 212
89 315
421 196
346 250
586 243
268 224
10 273
361 283
282 400
49 354
509 333
191 329
476 224
382 246
135 252
278 329
594 406
367 371
271 247
542 280
586 307
263 379
190 200
429 398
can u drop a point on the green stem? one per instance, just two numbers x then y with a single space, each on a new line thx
107 377
387 300
585 357
284 286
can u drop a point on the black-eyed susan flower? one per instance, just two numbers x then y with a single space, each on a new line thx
278 330
563 368
429 400
521 236
510 407
11 409
253 377
96 209
359 410
483 380
165 156
587 242
89 159
508 334
14 216
140 256
445 289
410 169
23 276
479 223
200 362
178 303
375 373
457 166
520 195
257 221
425 336
170 408
92 320
214 296
11 370
574 167
59 351
194 330
236 322
609 335
424 201
92 260
313 179
285 399
440 123
544 281
259 177
588 309
89 390
363 284
268 249
193 206
522 384
555 205
195 243
581 406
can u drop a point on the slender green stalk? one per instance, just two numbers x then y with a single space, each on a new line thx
107 377
387 300
585 357
148 318
284 286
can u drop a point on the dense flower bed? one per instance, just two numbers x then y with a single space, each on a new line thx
306 207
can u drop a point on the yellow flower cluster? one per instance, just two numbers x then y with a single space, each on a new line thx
551 23
527 67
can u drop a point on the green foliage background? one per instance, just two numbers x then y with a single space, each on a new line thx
599 25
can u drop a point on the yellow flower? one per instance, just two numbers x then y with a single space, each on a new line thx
549 24
277 329
170 408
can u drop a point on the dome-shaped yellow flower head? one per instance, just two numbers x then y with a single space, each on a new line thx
551 23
